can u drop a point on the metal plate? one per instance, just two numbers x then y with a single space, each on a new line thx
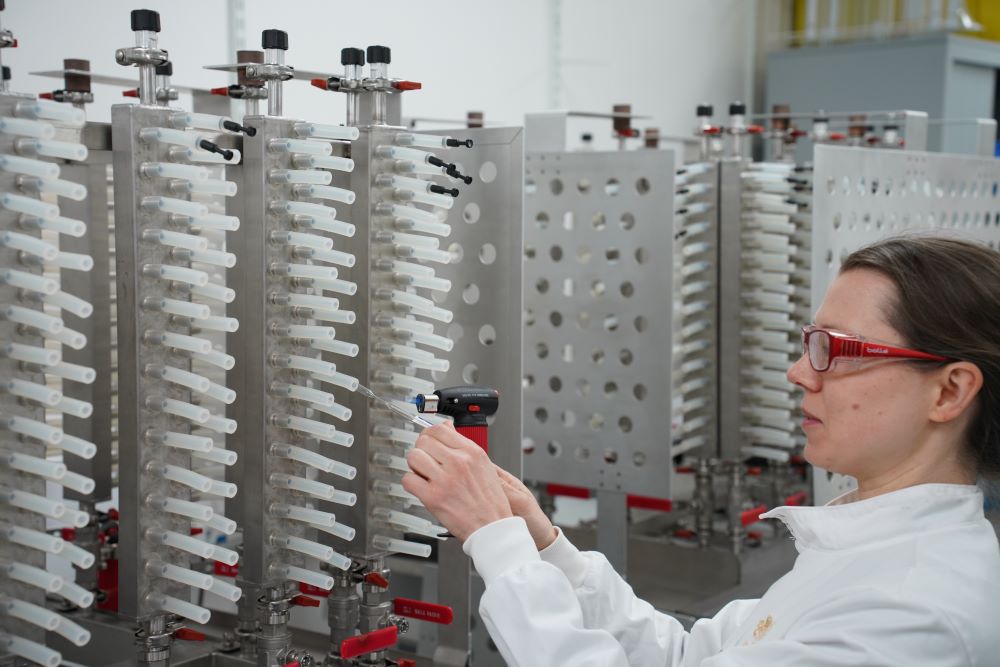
863 195
598 289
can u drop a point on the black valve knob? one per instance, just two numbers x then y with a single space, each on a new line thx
215 148
352 56
441 190
233 126
704 110
437 162
737 109
455 143
145 19
166 69
274 39
6 73
458 176
379 54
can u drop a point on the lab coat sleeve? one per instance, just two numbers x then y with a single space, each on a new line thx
539 614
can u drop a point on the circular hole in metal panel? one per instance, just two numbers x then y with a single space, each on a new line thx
528 381
582 388
641 255
597 356
597 288
581 453
556 253
542 220
626 357
556 186
582 319
583 254
530 187
542 415
556 318
458 252
642 185
542 350
610 389
583 185
611 322
610 456
542 285
470 295
625 424
641 324
487 334
471 213
488 254
529 317
627 289
470 374
529 251
612 255
627 221
600 222
612 187
554 449
638 459
569 418
596 421
488 172
528 446
639 391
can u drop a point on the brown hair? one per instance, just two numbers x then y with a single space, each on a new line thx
948 303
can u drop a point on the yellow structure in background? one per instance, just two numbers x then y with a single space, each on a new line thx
855 16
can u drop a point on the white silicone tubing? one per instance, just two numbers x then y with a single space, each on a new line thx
31 318
74 407
27 128
33 576
187 172
185 477
401 546
333 257
403 153
224 489
301 146
305 239
320 131
38 616
314 460
182 575
180 274
194 443
34 429
186 508
224 361
170 136
51 110
394 490
73 304
226 223
214 257
324 162
198 121
225 590
175 239
307 364
302 575
337 347
29 244
180 377
34 465
215 292
345 533
195 311
333 226
227 556
302 208
32 391
303 425
220 393
292 176
78 483
312 301
218 455
221 425
180 341
340 380
221 524
337 316
73 372
29 281
307 547
184 543
28 166
302 485
327 192
78 595
215 323
303 271
431 198
34 539
299 393
401 519
174 205
62 188
304 514
74 261
173 605
336 410
335 285
34 652
63 225
213 187
172 406
390 461
310 331
61 149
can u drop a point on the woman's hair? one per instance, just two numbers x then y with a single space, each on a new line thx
948 303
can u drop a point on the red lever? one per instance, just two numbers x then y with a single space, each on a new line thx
134 92
649 503
369 643
304 601
197 531
423 611
224 91
226 570
837 136
68 534
45 96
376 579
752 515
313 590
684 533
755 129
406 662
113 514
567 490
755 471
798 498
684 470
189 635
712 130
294 663
407 85
322 84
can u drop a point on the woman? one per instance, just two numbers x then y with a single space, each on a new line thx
901 383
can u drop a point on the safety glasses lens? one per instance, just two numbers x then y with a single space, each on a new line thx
819 350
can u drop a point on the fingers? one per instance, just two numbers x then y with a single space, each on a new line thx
437 449
423 464
447 434
415 484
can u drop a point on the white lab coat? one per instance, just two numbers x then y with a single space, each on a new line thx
907 578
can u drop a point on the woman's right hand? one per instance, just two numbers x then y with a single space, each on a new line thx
523 504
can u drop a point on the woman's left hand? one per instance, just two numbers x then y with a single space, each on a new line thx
455 480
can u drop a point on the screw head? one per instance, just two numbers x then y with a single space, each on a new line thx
120 56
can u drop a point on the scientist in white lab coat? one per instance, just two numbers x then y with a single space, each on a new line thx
901 390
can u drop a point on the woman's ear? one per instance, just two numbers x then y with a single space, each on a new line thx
958 385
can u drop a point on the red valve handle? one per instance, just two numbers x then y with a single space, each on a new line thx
649 503
224 91
567 490
45 96
755 129
684 470
423 611
68 534
406 662
837 136
684 533
293 663
712 130
798 498
376 579
407 85
304 601
197 531
752 515
226 570
313 590
189 635
369 643
113 514
322 84
755 471
134 92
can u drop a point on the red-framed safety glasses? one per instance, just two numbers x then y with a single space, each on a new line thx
826 348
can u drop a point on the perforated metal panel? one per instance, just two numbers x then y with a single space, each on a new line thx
598 292
861 196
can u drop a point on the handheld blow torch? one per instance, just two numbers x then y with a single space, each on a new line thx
468 406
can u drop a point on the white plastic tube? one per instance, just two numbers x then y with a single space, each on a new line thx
173 605
226 223
401 519
304 514
188 172
220 359
184 543
441 201
424 254
214 257
35 503
227 556
331 226
302 485
320 131
341 380
30 354
68 371
212 186
314 460
73 304
34 652
179 341
194 443
326 192
34 465
416 240
336 410
337 316
195 413
301 146
182 575
403 153
31 318
175 239
401 546
303 425
301 363
171 136
221 425
303 239
407 382
307 547
74 261
33 391
396 434
293 176
431 283
303 271
199 121
78 595
218 455
221 524
33 429
78 483
174 205
77 518
61 225
33 576
215 292
220 393
61 149
215 323
50 110
27 128
302 208
182 476
337 347
390 461
39 616
179 274
345 533
183 378
225 590
224 489
77 446
74 407
33 539
324 162
28 166
29 281
185 508
29 244
335 285
311 301
299 393
411 326
302 575
305 331
195 311
62 188
333 257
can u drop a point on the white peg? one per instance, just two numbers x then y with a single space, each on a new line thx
345 533
320 131
213 257
182 476
315 517
215 323
195 413
194 443
307 547
186 508
337 347
33 576
77 446
33 429
336 410
29 281
66 150
220 393
62 188
215 292
221 425
50 110
333 257
77 595
314 460
32 539
34 465
29 244
173 605
180 377
301 146
401 546
69 371
227 556
78 556
181 274
75 407
34 652
182 575
73 261
225 590
217 455
39 616
221 524
301 575
32 391
78 483
224 361
325 192
27 128
68 337
75 634
184 543
28 166
323 162
73 304
175 239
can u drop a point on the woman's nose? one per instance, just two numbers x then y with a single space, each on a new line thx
802 374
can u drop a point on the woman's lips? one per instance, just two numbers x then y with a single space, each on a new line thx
810 419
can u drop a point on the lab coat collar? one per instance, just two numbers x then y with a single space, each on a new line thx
846 523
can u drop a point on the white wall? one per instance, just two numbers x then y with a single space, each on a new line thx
663 56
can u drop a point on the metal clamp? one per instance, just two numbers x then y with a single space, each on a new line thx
270 72
141 55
